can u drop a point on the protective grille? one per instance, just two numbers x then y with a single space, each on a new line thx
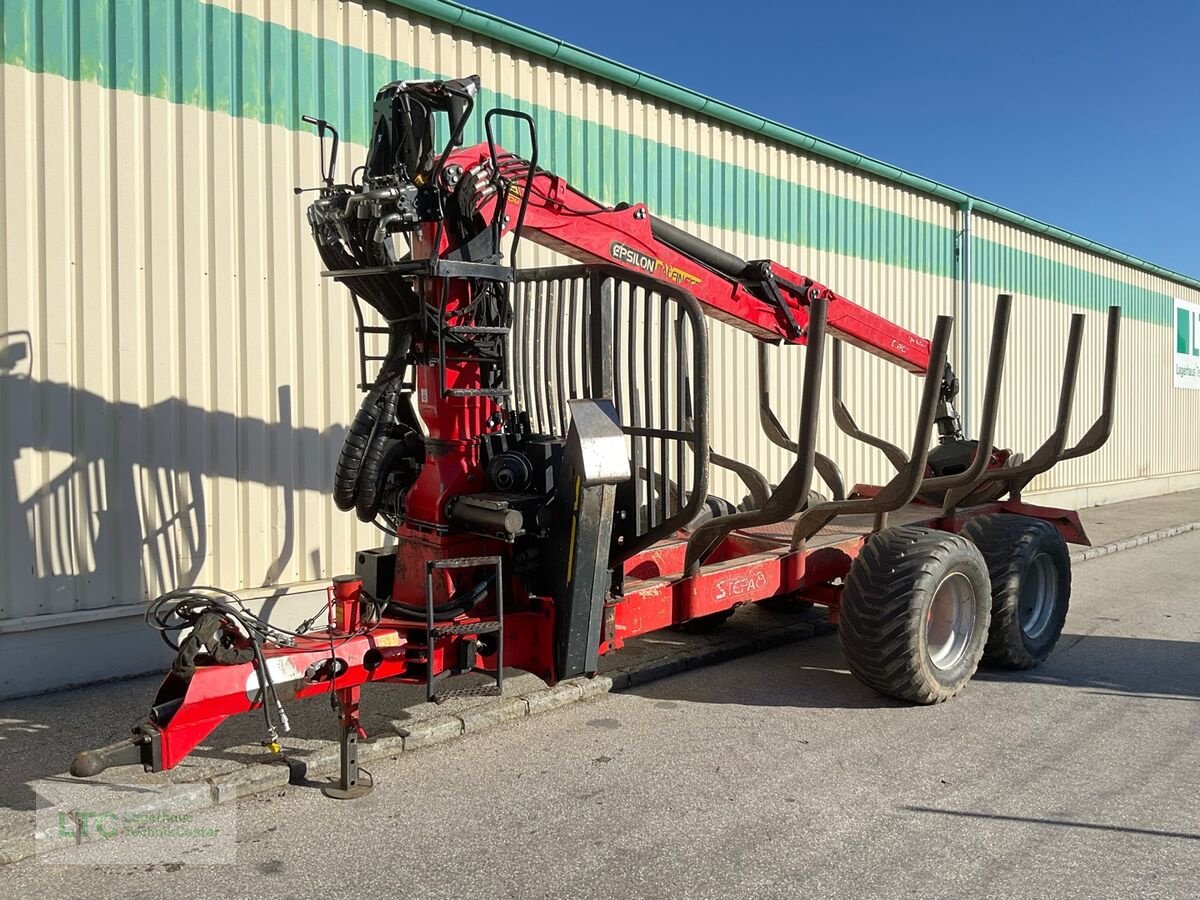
583 332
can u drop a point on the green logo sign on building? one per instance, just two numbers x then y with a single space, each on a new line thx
1187 345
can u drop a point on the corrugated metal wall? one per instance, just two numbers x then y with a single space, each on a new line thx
1155 437
186 376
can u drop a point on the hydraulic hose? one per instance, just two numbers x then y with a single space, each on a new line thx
371 470
354 450
460 603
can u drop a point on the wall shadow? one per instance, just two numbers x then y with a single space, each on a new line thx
1154 668
1057 823
120 507
809 674
812 674
40 735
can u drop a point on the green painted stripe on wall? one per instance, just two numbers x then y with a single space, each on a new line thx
1004 268
187 51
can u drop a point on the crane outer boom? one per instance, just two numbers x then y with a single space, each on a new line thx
567 221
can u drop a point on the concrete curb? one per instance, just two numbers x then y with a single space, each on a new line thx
1136 540
17 844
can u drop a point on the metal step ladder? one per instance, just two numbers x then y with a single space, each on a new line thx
487 366
485 626
365 356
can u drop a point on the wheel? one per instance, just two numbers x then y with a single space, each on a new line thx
704 624
914 613
1030 571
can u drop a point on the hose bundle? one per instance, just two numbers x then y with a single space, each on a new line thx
361 471
189 609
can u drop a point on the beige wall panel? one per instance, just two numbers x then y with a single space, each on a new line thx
188 373
1154 435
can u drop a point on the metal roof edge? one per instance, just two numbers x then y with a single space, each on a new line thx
526 38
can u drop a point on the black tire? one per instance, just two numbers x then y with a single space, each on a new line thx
1030 570
704 624
884 619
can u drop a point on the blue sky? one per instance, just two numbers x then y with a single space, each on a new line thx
1085 115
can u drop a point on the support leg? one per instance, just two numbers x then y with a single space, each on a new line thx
348 786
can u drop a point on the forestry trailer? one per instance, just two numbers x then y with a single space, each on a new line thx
536 442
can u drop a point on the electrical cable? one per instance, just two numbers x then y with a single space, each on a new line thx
176 610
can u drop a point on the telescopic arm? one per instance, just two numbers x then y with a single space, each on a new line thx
763 297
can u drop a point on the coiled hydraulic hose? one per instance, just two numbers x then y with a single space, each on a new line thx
359 437
371 470
358 481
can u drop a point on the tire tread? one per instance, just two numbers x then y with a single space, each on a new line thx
880 640
1008 543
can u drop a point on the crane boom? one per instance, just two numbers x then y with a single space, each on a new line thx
763 297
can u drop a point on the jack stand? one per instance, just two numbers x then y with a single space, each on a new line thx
345 597
348 786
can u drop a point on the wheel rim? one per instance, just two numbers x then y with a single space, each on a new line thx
950 620
1039 595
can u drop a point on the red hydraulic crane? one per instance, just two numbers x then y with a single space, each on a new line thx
536 443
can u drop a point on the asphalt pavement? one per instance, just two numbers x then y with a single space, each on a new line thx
776 775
